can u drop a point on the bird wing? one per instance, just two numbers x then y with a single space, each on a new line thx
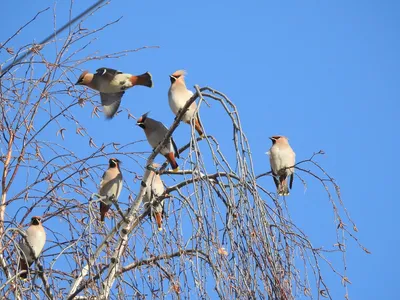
291 181
275 177
175 148
111 103
107 73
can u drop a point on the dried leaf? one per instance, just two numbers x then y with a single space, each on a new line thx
323 293
92 144
79 131
115 146
345 279
49 178
223 251
355 228
36 48
10 50
95 110
61 131
366 250
176 288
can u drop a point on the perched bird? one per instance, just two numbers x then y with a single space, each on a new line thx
155 189
178 95
282 159
155 132
36 237
110 186
112 85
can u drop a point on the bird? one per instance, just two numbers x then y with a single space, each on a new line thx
154 189
36 237
155 132
110 186
282 160
112 85
178 95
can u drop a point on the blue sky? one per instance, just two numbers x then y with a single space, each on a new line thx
323 73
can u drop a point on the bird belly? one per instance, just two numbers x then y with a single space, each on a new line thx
177 103
36 241
119 84
280 160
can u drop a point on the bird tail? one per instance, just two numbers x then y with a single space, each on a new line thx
158 217
23 266
283 189
171 159
103 210
144 79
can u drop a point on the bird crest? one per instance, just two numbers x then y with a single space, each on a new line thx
143 118
179 73
82 77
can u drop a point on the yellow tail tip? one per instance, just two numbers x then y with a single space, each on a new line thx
159 228
175 170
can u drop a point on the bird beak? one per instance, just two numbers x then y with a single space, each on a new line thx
78 83
172 78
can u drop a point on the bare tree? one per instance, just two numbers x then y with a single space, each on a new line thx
225 235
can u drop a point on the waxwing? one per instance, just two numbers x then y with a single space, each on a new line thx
282 159
112 85
36 237
110 186
178 95
155 132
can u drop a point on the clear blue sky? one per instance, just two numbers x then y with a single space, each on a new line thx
323 73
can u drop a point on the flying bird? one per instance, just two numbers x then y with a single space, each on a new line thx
282 160
112 85
155 189
36 237
110 186
155 132
178 95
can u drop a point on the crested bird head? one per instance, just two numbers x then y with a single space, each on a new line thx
114 162
85 78
141 121
278 139
36 220
177 75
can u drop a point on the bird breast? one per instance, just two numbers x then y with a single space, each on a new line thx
177 98
36 238
281 159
